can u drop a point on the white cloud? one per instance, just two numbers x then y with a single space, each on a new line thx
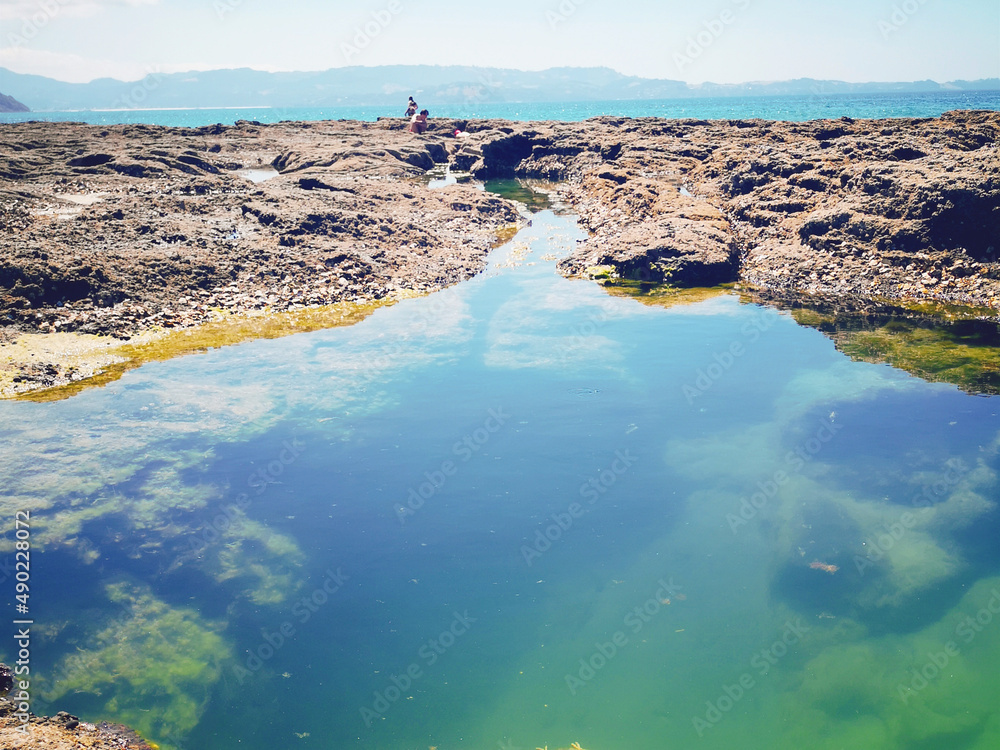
40 12
68 67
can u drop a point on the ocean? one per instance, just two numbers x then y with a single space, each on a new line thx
795 108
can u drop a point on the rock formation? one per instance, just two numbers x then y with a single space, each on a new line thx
64 732
902 209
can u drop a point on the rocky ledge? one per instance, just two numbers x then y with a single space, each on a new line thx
116 230
901 209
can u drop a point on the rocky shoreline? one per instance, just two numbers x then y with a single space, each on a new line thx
119 230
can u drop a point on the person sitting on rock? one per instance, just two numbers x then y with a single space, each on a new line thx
419 122
411 108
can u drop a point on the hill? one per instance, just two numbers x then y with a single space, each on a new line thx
389 85
10 104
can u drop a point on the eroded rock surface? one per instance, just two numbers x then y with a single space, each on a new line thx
901 209
112 230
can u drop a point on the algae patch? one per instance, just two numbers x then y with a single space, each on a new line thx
935 342
656 295
532 194
153 667
965 353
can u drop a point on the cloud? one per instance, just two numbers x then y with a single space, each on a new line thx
67 67
40 12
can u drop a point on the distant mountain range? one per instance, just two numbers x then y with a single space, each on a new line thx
10 104
389 86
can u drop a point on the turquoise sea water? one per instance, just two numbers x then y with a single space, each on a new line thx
519 513
817 106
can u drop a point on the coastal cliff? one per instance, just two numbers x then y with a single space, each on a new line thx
123 229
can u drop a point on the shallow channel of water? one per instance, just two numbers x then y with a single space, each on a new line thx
520 512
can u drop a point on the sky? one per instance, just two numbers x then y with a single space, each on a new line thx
722 41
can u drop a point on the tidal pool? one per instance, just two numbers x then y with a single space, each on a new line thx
518 513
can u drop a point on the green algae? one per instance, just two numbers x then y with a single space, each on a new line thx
656 295
949 345
887 577
520 191
964 355
932 688
261 561
852 687
161 512
505 234
937 342
153 667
